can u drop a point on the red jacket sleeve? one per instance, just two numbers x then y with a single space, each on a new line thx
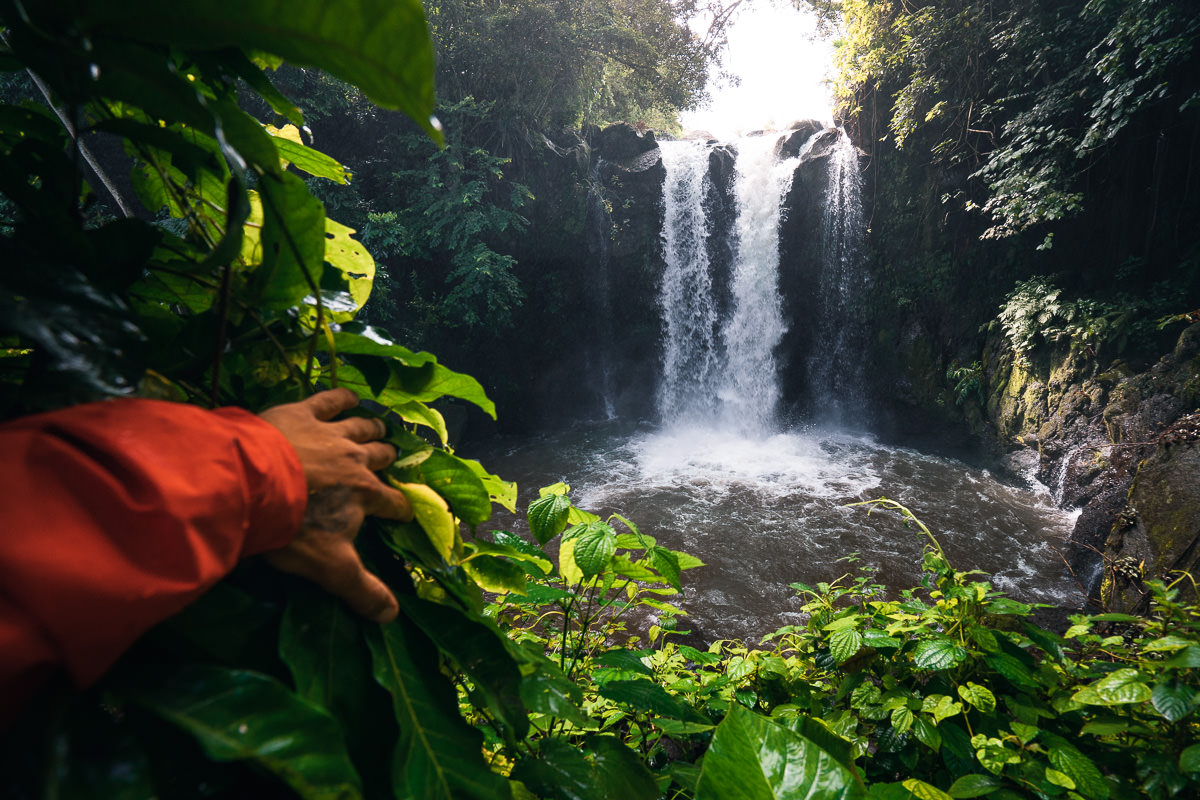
116 515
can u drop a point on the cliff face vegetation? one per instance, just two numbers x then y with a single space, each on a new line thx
1035 241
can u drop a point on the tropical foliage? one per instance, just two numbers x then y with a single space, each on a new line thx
517 668
1029 94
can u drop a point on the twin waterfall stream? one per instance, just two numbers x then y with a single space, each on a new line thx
762 503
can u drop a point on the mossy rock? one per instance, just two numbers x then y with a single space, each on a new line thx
1159 529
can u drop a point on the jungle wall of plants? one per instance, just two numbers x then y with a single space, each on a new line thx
1015 145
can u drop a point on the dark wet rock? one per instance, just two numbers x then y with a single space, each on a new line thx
1097 433
1156 534
801 132
621 143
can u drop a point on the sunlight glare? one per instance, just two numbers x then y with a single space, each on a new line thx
784 68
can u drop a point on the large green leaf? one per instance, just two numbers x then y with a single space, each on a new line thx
425 381
975 785
497 575
1174 699
293 243
601 769
225 625
478 649
323 645
844 643
752 758
618 771
1067 758
645 695
380 46
938 654
453 479
595 544
438 754
1120 686
245 716
548 691
548 516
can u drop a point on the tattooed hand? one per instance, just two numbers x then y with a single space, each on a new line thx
339 460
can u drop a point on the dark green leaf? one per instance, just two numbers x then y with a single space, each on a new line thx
381 46
667 564
1174 699
595 544
816 731
938 654
323 645
1011 668
1189 759
293 243
548 516
645 695
547 691
1066 758
702 658
438 754
975 785
498 575
1051 643
1187 658
751 758
244 716
258 81
1004 605
601 769
479 650
618 771
624 660
559 771
927 733
226 625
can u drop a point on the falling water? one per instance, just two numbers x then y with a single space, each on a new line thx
722 370
763 507
690 344
750 391
599 226
835 367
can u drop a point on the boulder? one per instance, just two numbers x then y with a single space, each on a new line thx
1157 533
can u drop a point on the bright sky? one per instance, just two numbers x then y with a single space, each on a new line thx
782 66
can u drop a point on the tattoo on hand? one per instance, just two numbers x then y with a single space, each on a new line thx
328 509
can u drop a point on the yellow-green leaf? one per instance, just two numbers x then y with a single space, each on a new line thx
433 515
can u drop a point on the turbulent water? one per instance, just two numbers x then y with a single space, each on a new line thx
762 513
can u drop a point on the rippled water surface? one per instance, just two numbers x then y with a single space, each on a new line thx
762 513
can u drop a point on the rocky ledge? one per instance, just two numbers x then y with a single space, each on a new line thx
1123 446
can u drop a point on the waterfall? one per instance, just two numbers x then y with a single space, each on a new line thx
750 391
690 342
721 370
835 367
599 230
